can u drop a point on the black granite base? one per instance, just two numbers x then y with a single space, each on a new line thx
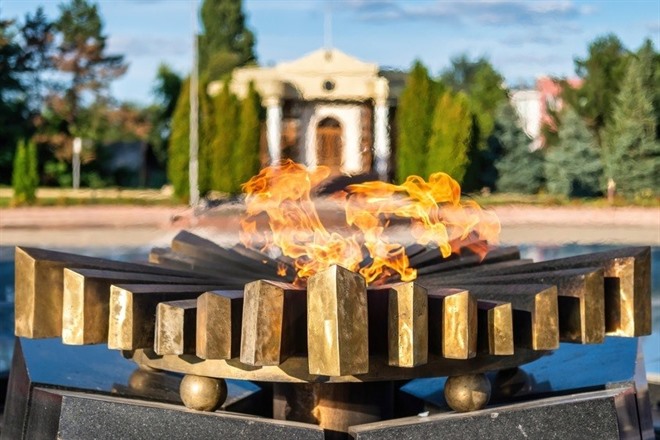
68 415
603 415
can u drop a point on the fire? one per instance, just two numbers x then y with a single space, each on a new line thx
432 213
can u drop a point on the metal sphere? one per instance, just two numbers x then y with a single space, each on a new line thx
467 393
202 393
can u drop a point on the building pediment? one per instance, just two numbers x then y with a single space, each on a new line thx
327 62
325 75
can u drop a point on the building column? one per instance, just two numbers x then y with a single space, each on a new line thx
274 128
382 150
381 140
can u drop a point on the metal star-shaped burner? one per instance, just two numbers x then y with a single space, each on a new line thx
215 313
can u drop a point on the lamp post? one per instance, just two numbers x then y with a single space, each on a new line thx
75 162
193 165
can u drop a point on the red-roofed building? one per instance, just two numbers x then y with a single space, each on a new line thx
533 104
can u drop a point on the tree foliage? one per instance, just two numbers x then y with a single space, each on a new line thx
450 136
225 141
414 118
246 154
25 177
179 146
632 153
483 85
166 91
519 170
81 55
573 167
601 73
226 42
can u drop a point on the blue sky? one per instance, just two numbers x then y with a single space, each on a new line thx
522 39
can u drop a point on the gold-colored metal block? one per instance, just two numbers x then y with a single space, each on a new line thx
133 310
40 287
408 325
535 310
273 317
581 299
459 326
628 294
175 327
337 323
86 301
627 274
219 318
495 328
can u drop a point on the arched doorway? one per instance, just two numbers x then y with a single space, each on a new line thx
329 147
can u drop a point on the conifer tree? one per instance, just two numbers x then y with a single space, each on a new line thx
207 133
414 118
573 167
632 153
179 145
24 175
245 158
226 41
225 141
519 169
450 136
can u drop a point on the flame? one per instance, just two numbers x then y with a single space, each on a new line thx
431 211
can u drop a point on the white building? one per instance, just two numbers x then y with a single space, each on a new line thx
326 108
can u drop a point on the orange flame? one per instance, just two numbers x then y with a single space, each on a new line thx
431 211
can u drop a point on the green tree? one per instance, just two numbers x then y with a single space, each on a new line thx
25 177
652 77
166 92
414 118
245 158
519 170
14 108
226 42
573 167
450 137
632 153
179 145
601 73
225 141
81 55
482 84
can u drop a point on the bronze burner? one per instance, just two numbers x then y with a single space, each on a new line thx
335 349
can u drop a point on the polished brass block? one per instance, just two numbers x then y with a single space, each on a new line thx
40 287
535 311
337 323
273 317
133 310
86 301
628 288
219 322
495 328
581 299
494 255
627 274
459 326
175 327
407 325
196 247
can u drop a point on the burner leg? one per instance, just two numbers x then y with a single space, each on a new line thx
203 393
511 382
467 393
334 406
